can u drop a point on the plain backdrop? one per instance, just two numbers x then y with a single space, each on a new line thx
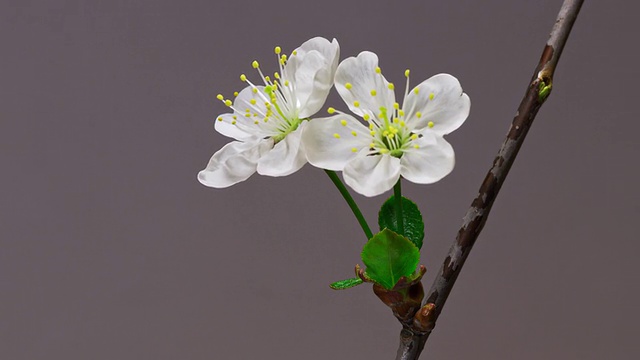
111 249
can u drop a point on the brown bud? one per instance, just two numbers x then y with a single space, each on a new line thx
424 320
403 302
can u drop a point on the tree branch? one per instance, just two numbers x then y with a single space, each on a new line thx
413 338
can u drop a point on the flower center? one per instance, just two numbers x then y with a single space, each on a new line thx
392 135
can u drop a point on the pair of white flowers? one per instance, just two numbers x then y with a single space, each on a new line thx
276 135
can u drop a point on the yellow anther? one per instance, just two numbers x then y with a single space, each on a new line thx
396 120
354 149
252 101
396 106
348 86
267 78
400 112
277 50
385 133
373 93
430 124
416 91
336 135
265 119
354 133
219 119
418 114
370 126
243 77
283 57
235 93
372 145
256 122
247 115
286 83
295 52
220 97
343 122
416 146
227 102
373 133
406 73
402 123
233 122
331 110
276 75
247 110
254 90
431 96
366 117
378 70
255 64
356 103
384 151
235 117
390 136
414 136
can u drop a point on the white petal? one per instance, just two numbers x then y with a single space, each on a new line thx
433 160
372 175
286 157
325 150
234 163
448 109
311 82
310 72
361 73
244 100
330 50
254 101
225 126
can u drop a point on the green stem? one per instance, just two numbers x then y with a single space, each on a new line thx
352 204
397 196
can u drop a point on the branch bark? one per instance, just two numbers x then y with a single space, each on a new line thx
414 337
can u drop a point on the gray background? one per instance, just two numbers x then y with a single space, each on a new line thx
110 248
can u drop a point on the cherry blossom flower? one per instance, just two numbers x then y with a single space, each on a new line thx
267 120
400 140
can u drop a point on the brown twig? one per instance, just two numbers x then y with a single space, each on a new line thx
414 336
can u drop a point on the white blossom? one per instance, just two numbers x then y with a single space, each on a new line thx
267 120
400 140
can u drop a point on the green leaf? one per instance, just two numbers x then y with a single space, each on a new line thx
413 224
346 284
388 257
